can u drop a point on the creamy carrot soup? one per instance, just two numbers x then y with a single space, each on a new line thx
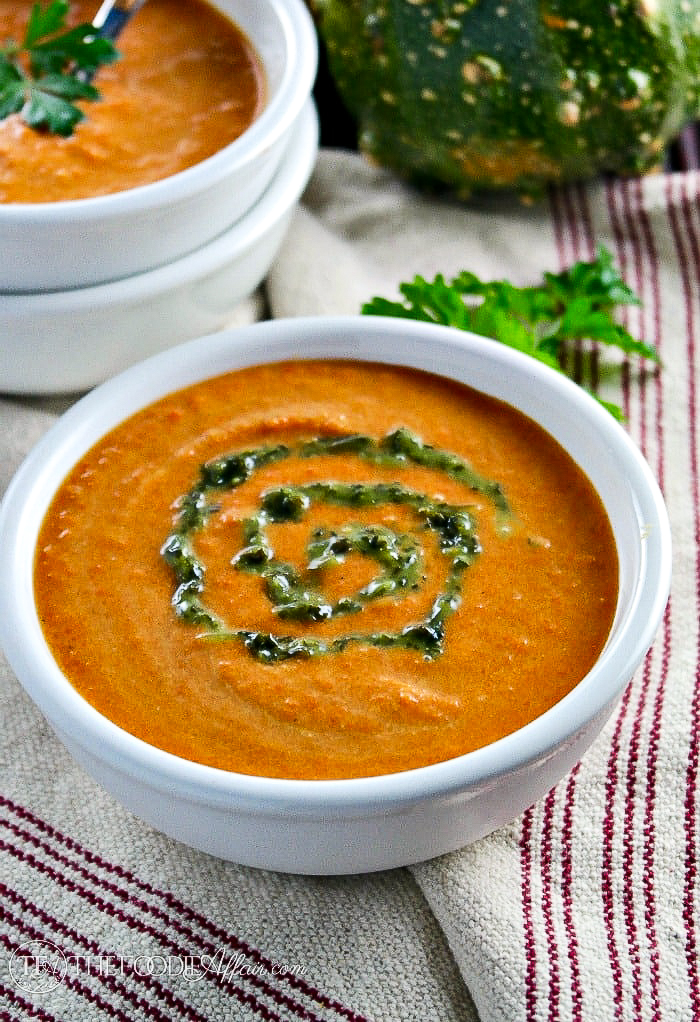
325 570
187 83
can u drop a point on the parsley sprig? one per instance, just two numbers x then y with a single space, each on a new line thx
41 77
543 320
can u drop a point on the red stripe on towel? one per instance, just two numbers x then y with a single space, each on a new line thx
566 256
174 905
529 934
589 247
102 904
654 733
629 817
607 852
556 218
88 946
621 260
554 987
30 1010
567 875
686 256
627 238
106 1007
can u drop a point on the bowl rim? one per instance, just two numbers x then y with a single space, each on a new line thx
284 190
273 121
354 337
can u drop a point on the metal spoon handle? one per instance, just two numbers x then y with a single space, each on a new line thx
113 15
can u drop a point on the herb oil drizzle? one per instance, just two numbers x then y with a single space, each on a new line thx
397 555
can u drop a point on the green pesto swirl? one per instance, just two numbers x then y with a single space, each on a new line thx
298 597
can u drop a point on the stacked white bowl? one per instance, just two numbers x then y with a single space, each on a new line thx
90 286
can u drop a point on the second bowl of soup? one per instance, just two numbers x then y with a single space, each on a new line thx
192 122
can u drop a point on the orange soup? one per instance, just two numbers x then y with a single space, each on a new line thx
325 570
186 84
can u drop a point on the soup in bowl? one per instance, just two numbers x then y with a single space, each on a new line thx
192 121
332 595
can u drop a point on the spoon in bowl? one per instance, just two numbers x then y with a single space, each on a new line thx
114 15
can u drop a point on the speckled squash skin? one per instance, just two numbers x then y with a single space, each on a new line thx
514 94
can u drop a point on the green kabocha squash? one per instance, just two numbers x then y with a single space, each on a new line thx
514 94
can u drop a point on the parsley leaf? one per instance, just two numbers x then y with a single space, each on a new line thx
542 321
43 76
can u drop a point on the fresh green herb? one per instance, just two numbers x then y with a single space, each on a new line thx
41 77
543 321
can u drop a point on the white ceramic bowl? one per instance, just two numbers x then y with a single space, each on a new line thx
345 826
57 245
67 341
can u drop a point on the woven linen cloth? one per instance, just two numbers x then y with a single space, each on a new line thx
586 907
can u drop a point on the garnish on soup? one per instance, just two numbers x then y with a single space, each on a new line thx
296 594
41 77
187 83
